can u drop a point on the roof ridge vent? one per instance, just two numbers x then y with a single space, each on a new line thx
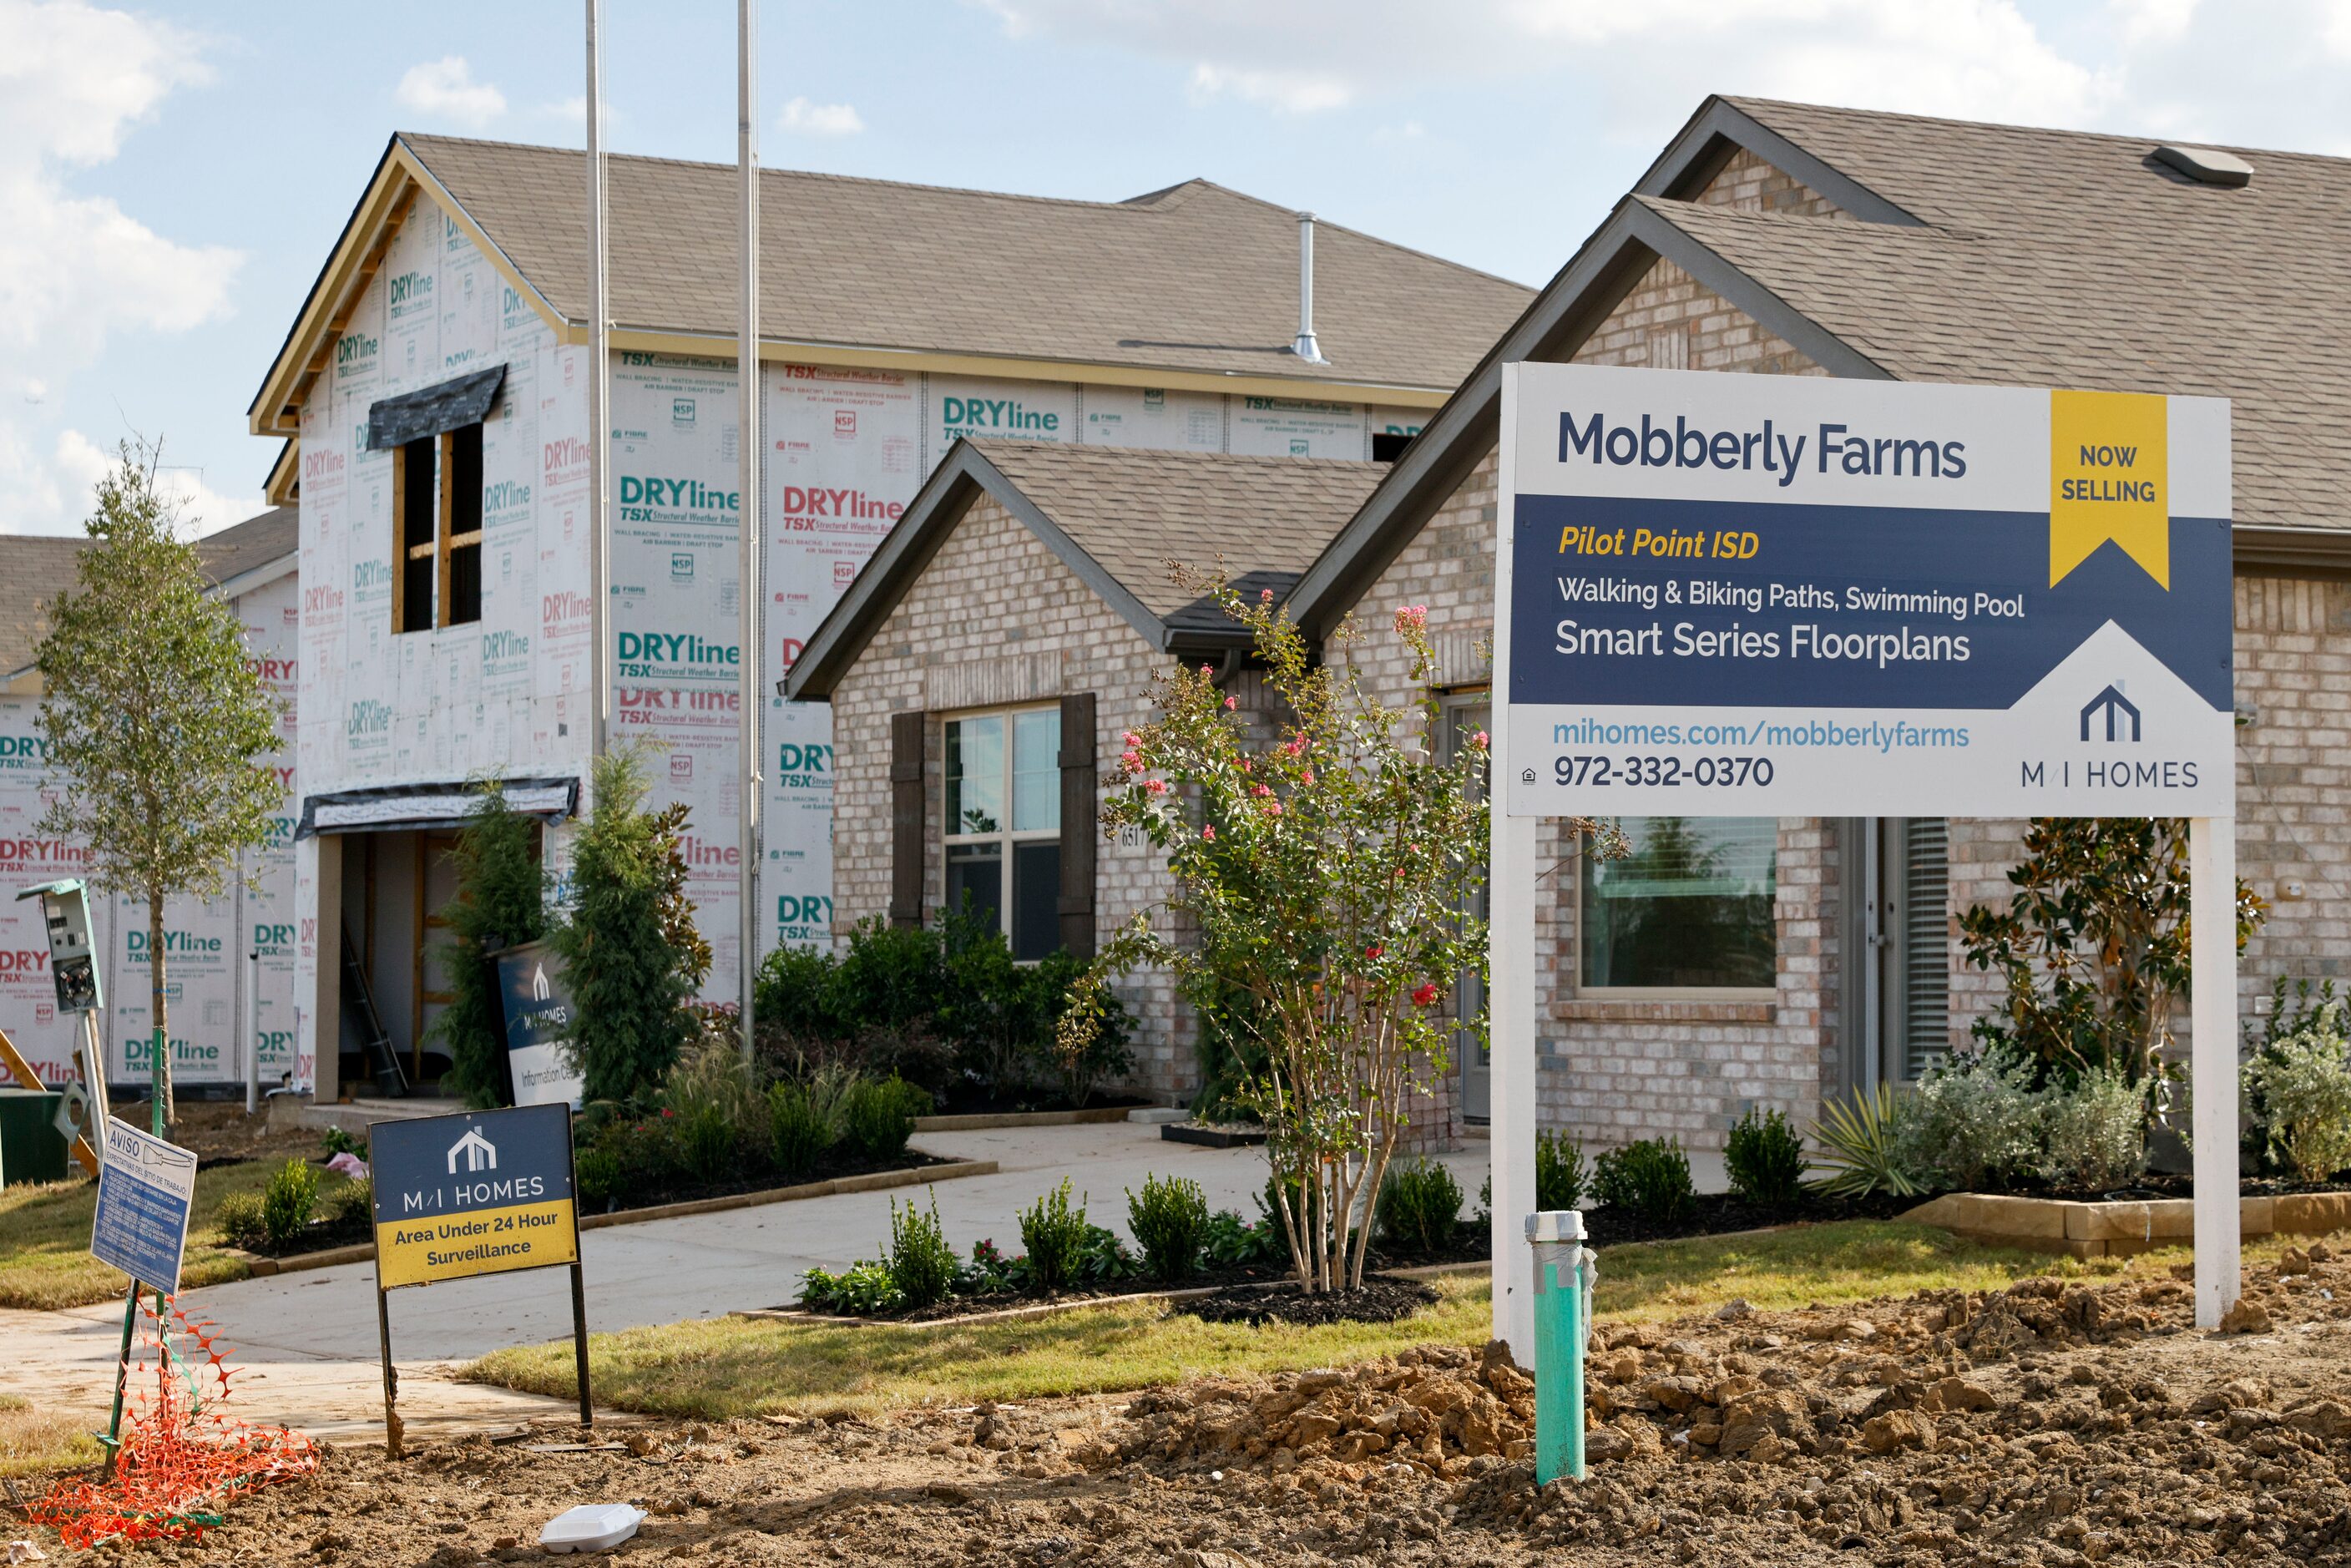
2206 165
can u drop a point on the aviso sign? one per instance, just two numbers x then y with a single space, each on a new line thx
1786 596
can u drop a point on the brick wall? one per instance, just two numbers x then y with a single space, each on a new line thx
1750 185
995 618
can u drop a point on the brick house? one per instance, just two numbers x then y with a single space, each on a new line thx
1773 238
1025 602
1810 955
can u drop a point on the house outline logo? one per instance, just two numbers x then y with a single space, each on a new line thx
540 991
480 1152
2116 708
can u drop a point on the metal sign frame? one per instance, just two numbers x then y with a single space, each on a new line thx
1653 464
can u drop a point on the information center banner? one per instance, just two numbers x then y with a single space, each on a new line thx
1781 596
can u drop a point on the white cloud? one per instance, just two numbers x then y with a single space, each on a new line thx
1652 61
75 270
445 91
801 118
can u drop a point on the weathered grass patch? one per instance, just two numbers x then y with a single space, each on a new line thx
718 1368
44 1262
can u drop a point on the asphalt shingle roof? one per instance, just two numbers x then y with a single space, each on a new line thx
1194 277
2057 257
34 567
1133 511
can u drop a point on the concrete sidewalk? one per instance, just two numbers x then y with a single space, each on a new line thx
707 1265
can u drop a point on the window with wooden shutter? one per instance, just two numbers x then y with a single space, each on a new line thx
907 818
1080 832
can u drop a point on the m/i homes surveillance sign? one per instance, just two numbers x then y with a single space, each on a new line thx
1736 595
480 1193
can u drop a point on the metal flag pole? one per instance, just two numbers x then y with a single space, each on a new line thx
600 539
750 517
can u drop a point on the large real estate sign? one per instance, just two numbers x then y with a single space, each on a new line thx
482 1192
1779 596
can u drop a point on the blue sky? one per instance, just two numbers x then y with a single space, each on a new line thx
176 174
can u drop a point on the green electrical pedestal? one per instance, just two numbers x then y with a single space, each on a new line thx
31 1147
1565 1271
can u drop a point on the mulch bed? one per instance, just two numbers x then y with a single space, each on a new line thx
1718 1213
1381 1299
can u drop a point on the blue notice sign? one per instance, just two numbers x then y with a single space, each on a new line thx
145 1187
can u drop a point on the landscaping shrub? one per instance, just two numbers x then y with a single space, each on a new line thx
714 1095
799 1130
2294 1006
922 1264
335 1141
351 1202
500 901
629 949
1561 1173
1102 1257
862 1289
1170 1221
2303 1084
243 1220
1975 1121
1765 1159
877 1116
599 1174
1650 1177
1055 1235
1862 1147
1419 1204
287 1202
1233 1242
2094 1133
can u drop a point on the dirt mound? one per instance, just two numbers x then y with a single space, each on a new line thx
1380 1301
2051 1424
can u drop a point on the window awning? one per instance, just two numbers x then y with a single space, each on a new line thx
416 807
412 416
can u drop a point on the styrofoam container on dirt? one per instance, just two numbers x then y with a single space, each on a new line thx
591 1527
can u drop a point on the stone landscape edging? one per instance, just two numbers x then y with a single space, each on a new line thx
263 1267
981 1121
1055 1309
2120 1228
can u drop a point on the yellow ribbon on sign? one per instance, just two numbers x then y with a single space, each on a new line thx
2108 479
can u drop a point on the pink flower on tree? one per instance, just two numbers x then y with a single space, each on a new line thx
1307 777
1374 951
1273 808
1208 833
1425 995
1157 785
1412 618
1265 596
1131 757
1131 738
1296 745
1232 703
1481 740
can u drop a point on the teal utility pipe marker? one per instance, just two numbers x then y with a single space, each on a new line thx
1564 1275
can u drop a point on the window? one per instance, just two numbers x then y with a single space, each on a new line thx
1690 910
437 503
1004 824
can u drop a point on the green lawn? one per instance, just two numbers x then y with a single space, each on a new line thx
718 1368
45 1259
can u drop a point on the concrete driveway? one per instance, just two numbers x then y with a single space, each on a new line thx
707 1265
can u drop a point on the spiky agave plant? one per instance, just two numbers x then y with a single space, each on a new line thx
1859 1150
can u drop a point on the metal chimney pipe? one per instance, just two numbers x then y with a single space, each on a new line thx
1305 347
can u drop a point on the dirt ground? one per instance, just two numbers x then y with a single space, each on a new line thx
220 1130
2052 1423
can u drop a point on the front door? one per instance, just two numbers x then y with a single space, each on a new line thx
436 887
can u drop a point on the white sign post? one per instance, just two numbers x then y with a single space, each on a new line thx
1769 596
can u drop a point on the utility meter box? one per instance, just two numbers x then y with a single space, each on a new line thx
73 959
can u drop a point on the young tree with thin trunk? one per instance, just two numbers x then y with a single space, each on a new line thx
156 721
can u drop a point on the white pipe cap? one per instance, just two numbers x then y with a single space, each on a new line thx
1555 1224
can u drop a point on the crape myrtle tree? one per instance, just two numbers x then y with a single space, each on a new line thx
156 718
1324 873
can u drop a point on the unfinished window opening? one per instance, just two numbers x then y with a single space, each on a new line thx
461 527
415 503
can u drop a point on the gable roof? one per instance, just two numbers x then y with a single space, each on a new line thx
34 566
1970 253
1115 516
1194 281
